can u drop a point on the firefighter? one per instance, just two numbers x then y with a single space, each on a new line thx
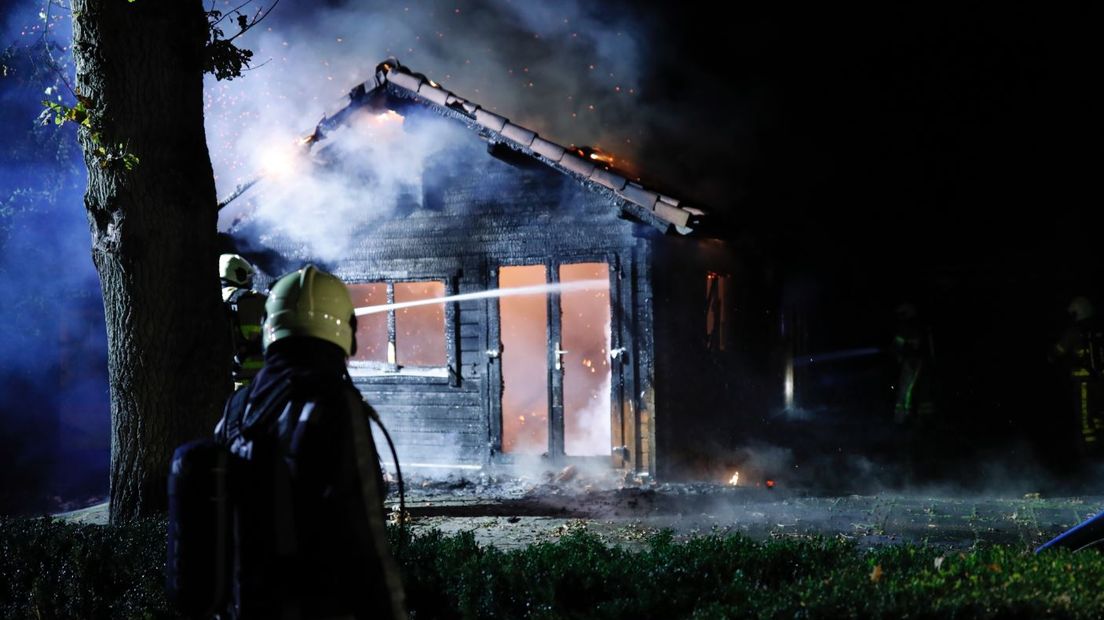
310 536
245 308
1080 351
913 347
922 443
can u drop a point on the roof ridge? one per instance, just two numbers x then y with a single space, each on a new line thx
671 211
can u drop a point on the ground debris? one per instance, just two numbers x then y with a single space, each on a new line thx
567 474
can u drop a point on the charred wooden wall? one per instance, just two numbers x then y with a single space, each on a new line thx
478 212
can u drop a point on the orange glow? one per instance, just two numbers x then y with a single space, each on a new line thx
389 116
585 325
371 333
770 484
524 330
420 331
594 154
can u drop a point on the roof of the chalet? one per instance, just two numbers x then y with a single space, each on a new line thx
394 83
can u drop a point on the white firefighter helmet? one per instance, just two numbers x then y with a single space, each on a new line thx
1081 309
235 270
310 302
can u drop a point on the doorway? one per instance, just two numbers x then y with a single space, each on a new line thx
559 381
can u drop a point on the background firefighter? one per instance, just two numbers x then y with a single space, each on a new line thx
1080 351
915 352
246 310
914 411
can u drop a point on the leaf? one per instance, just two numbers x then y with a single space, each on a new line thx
877 573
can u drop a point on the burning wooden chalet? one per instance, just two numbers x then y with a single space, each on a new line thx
653 353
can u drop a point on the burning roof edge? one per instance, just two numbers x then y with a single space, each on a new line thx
644 204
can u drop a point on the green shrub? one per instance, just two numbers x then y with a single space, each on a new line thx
51 569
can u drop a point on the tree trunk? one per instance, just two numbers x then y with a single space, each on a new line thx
153 235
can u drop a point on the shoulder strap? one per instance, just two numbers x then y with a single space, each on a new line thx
232 415
259 412
237 295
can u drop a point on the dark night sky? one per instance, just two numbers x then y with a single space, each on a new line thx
937 156
944 137
942 154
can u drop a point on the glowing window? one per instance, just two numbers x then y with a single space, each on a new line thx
395 339
371 333
419 330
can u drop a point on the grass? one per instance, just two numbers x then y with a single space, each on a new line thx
51 569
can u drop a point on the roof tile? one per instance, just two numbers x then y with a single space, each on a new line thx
407 81
547 149
577 165
640 196
490 120
607 178
518 134
436 95
678 217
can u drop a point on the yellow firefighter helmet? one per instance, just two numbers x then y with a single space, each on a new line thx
312 303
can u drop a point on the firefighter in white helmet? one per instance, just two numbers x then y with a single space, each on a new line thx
245 310
311 539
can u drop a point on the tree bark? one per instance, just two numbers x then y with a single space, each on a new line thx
154 231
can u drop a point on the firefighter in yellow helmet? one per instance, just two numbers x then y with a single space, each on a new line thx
310 540
1080 350
245 308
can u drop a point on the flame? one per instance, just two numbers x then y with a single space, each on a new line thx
735 479
606 159
594 153
281 161
389 116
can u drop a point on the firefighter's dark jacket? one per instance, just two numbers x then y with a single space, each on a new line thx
310 535
1081 347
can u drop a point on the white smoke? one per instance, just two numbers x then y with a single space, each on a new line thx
366 170
567 71
589 433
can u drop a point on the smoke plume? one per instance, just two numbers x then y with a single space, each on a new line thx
53 377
